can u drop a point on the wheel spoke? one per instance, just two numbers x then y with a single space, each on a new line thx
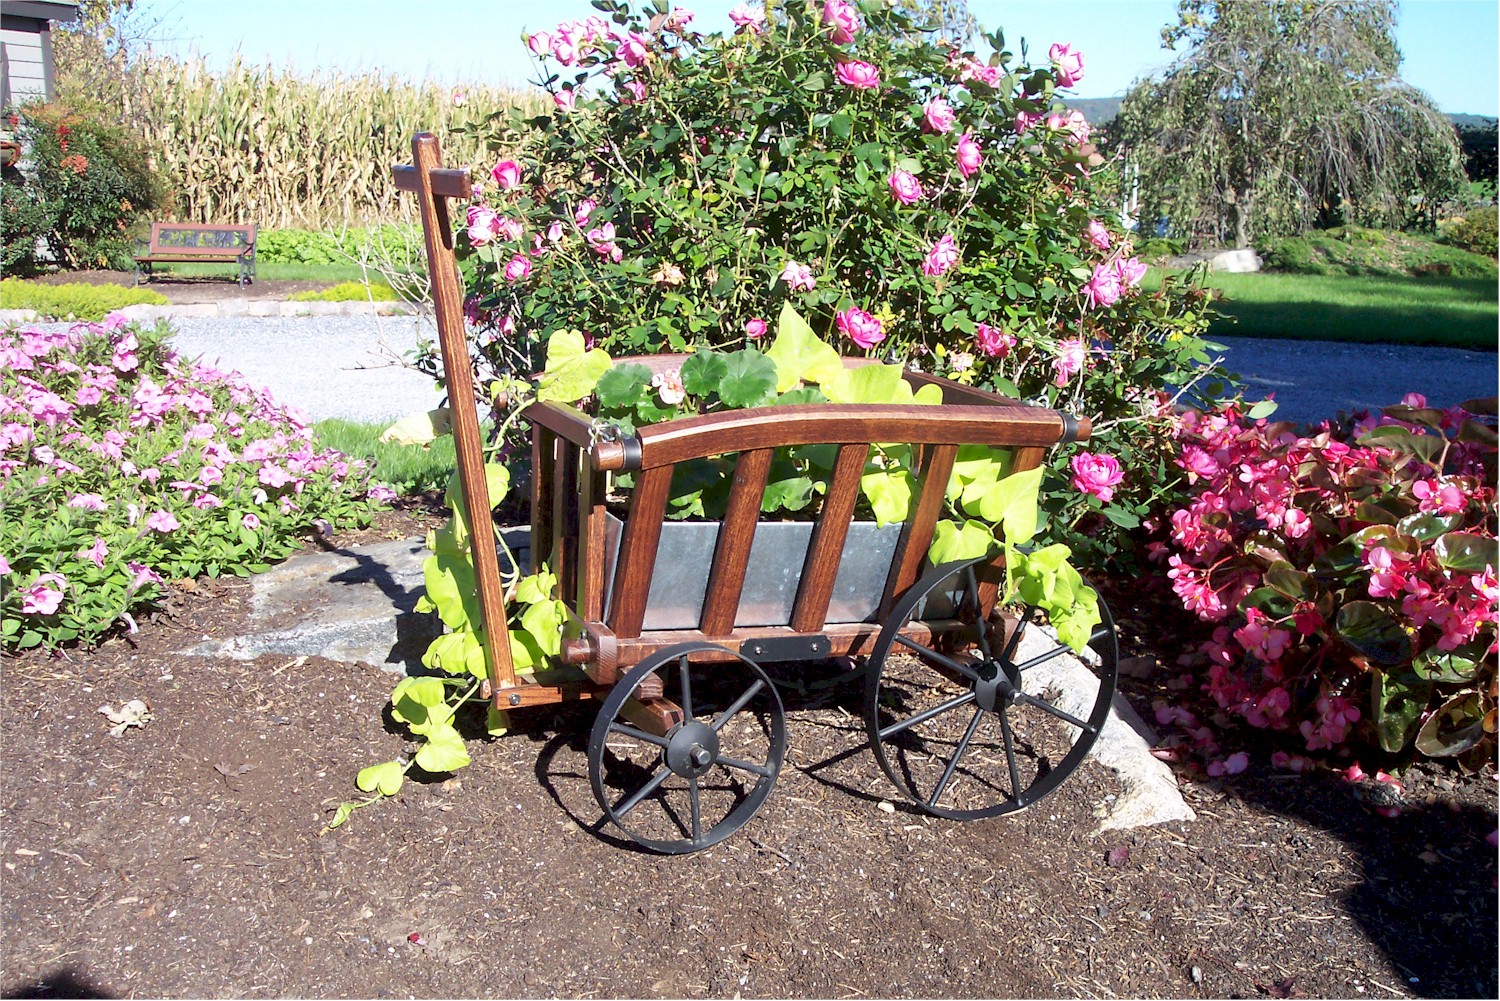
958 752
1010 759
1048 707
626 805
1042 658
984 639
924 716
746 766
687 688
1099 634
697 810
738 704
1015 637
937 658
635 734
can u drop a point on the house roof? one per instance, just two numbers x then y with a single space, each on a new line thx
43 10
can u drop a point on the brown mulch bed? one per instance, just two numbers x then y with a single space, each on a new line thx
180 289
183 860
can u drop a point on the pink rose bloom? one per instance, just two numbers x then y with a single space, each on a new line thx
968 155
993 341
940 258
1025 120
1073 123
1098 234
484 225
1067 65
509 229
162 521
842 18
680 18
746 16
637 91
860 327
87 502
584 210
41 598
565 100
938 115
507 174
906 188
555 233
1130 271
633 50
1071 354
1097 475
856 74
539 43
798 277
519 269
1103 289
755 329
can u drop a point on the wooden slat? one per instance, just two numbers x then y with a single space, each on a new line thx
544 445
565 517
845 639
1023 459
448 305
827 547
590 593
444 183
637 559
726 577
916 536
656 716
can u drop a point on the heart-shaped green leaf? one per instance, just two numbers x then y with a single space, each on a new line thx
572 370
386 776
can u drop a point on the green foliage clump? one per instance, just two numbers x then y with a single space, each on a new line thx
89 181
1474 231
1360 252
407 468
313 246
350 292
74 300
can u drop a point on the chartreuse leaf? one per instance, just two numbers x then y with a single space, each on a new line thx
418 429
952 541
868 384
702 373
798 353
1047 580
572 370
976 469
450 652
543 622
496 722
889 492
420 703
928 395
749 380
1265 408
537 587
443 752
497 484
1012 503
452 588
386 776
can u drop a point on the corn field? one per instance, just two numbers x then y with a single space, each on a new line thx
263 145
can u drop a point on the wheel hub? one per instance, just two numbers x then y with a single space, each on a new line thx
692 749
999 685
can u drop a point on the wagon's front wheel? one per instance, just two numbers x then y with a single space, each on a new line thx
686 747
983 714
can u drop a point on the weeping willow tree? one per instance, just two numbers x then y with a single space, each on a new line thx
1282 116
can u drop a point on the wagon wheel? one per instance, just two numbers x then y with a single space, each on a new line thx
970 724
696 782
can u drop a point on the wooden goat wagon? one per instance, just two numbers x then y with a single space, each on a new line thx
666 632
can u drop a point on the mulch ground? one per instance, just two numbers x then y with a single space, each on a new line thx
180 289
182 859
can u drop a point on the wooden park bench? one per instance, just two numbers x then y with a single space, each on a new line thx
181 242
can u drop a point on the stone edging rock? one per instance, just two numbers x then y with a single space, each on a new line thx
238 308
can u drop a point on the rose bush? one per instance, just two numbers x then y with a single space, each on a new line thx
123 466
912 199
1349 575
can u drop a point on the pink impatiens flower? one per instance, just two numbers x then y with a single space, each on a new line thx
905 187
1097 475
798 277
1067 64
162 521
858 75
938 115
860 327
940 258
507 174
42 598
843 21
992 340
968 155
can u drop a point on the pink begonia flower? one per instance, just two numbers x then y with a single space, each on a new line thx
755 328
584 210
1103 288
938 115
1130 271
798 277
858 75
860 327
507 174
905 187
746 16
87 502
940 258
968 155
162 521
1071 354
1067 65
668 386
844 21
1097 475
1414 400
633 50
1445 499
484 225
1098 234
250 521
41 598
993 341
565 99
518 269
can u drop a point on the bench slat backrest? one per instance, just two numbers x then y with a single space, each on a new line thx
208 240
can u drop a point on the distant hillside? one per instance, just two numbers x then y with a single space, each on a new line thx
1099 110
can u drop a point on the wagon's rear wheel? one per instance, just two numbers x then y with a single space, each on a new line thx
990 717
680 782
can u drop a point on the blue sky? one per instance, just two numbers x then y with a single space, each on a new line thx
1449 46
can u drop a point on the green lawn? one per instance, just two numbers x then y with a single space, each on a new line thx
407 468
267 271
1450 312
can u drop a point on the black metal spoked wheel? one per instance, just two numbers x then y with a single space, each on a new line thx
977 718
683 787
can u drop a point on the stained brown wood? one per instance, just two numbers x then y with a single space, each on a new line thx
565 501
448 306
546 688
916 536
1023 459
447 183
726 578
590 595
637 559
544 447
656 716
851 639
821 568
